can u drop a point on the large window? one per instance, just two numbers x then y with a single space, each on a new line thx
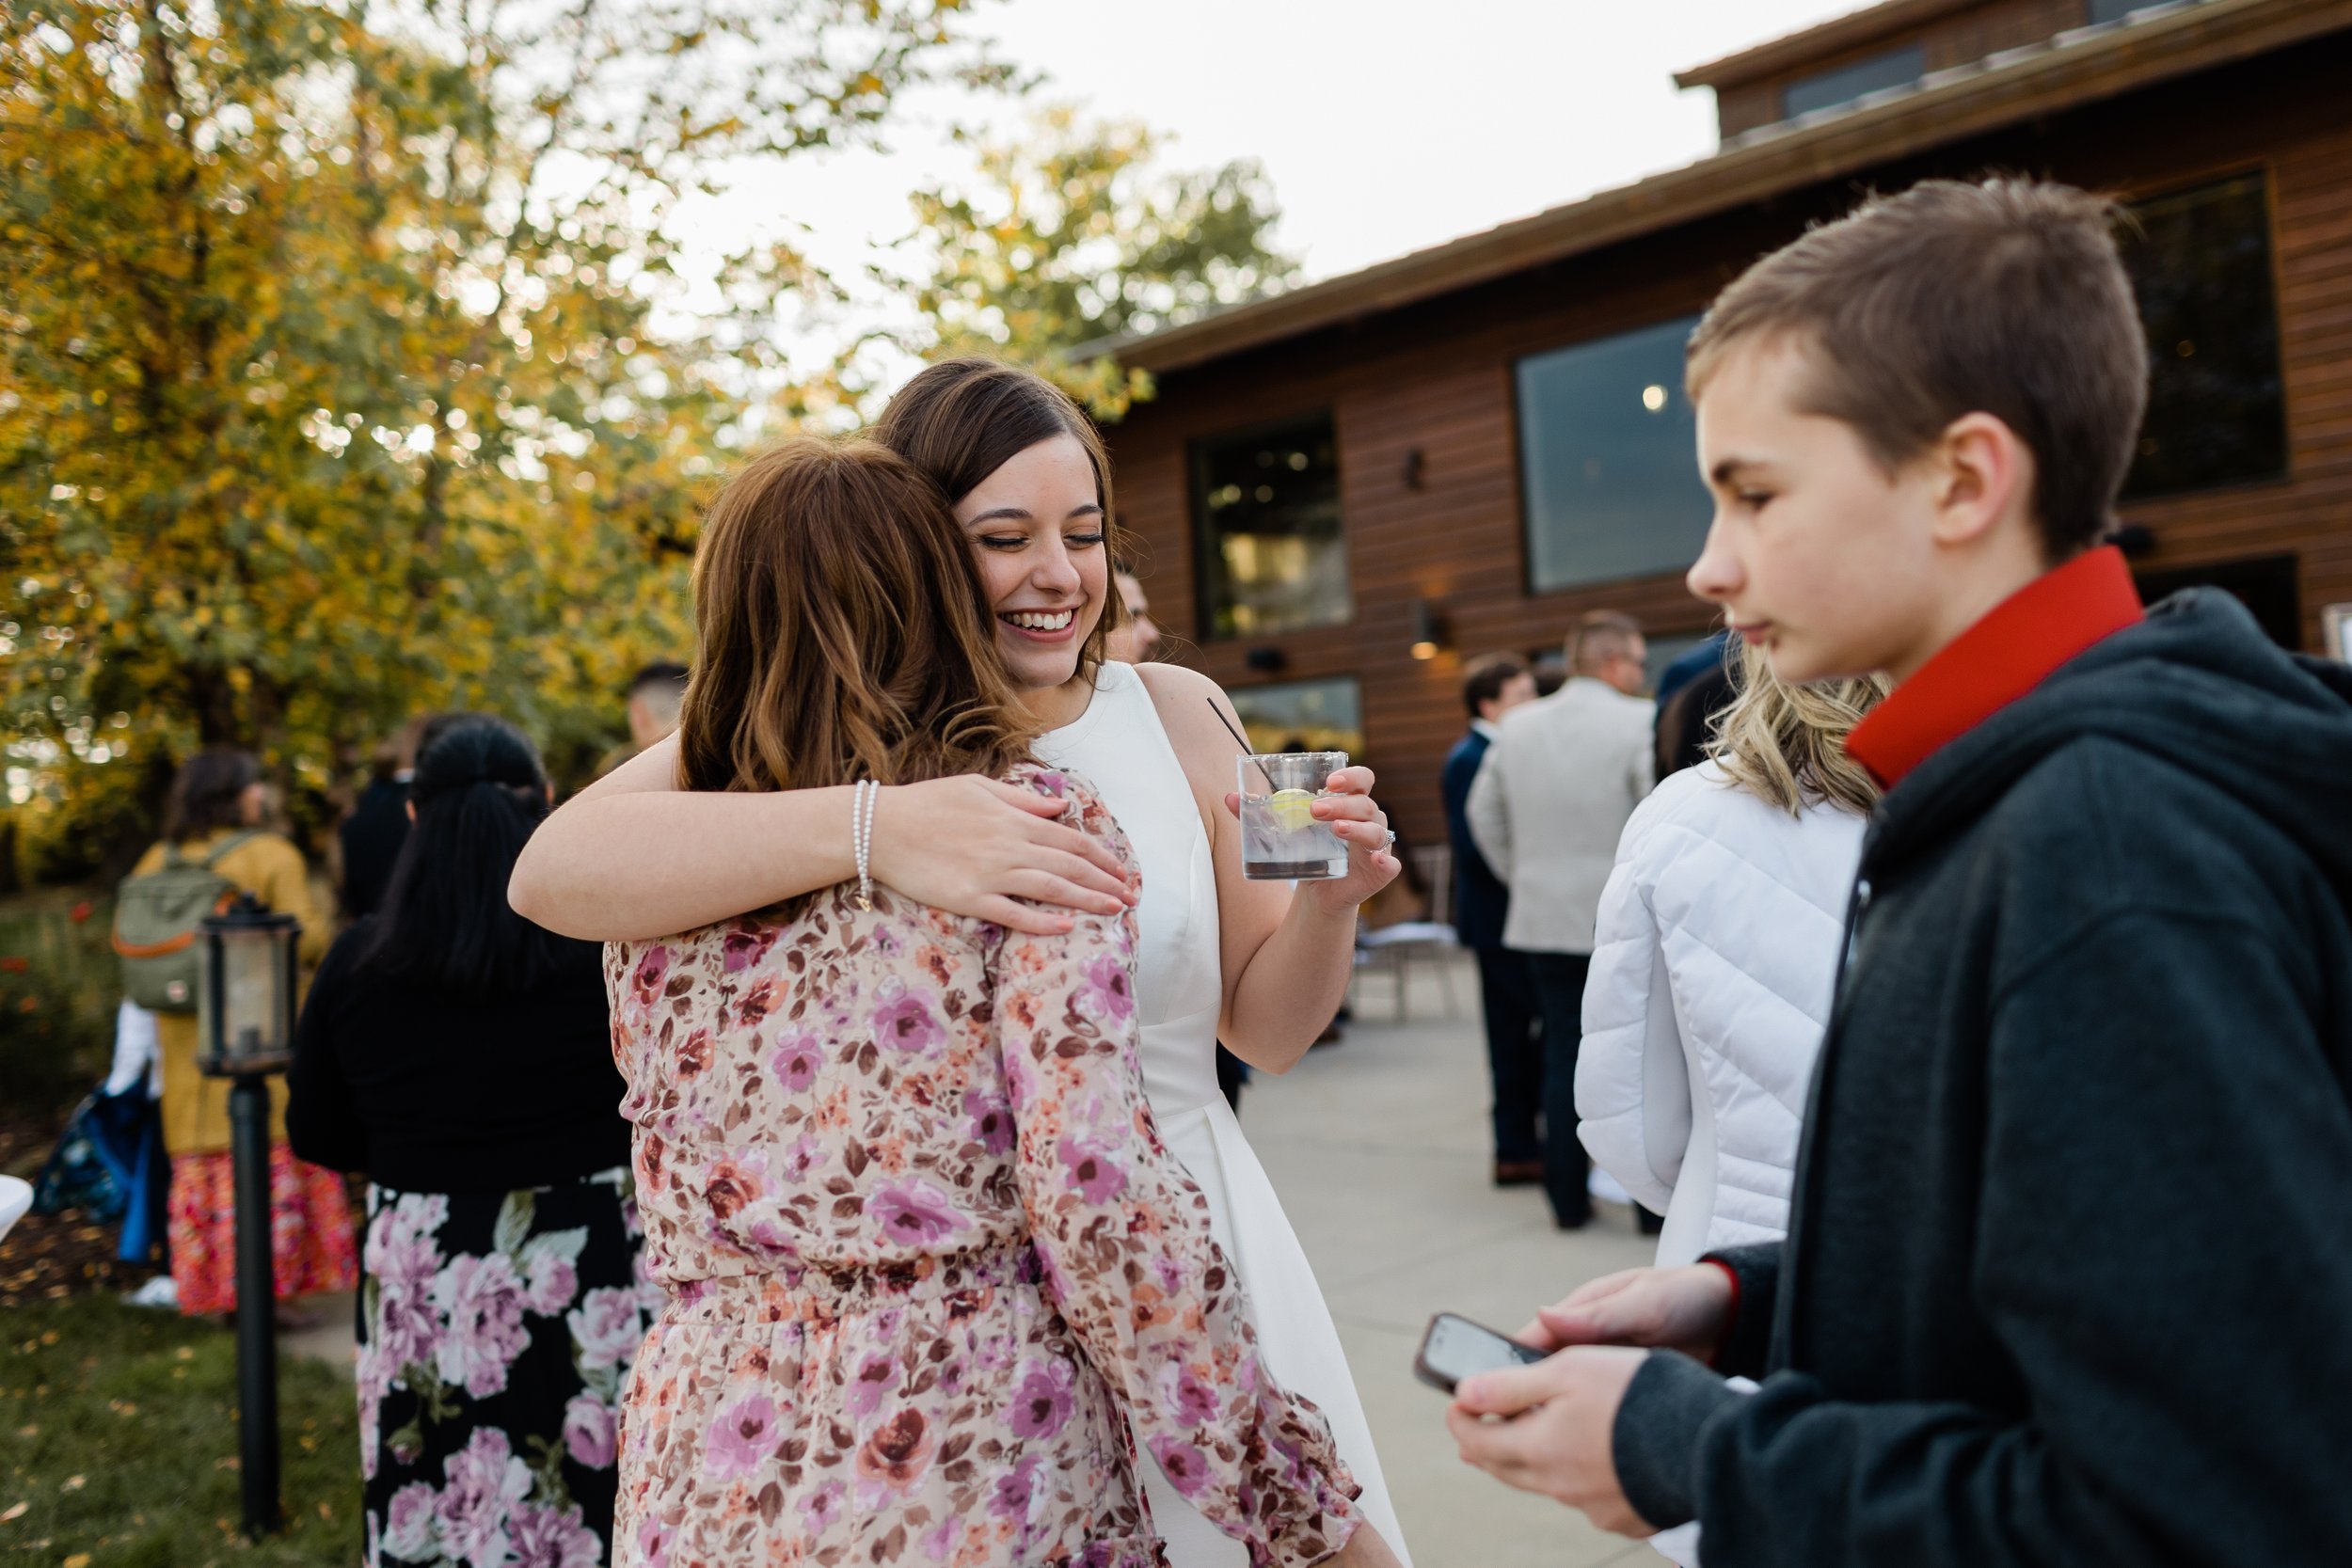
1897 67
2217 408
1303 716
1608 455
1266 506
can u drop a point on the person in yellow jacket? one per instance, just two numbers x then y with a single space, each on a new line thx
219 793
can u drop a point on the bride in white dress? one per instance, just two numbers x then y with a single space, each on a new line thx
1261 965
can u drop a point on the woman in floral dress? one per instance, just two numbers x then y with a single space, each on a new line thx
461 1058
926 1256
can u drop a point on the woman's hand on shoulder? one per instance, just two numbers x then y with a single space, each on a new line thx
995 851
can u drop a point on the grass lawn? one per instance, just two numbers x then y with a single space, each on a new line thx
119 1432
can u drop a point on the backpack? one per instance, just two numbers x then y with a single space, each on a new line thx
156 915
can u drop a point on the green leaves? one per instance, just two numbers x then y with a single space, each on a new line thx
1072 235
331 388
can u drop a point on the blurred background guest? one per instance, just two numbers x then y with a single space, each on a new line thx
1494 686
1549 802
371 835
1692 691
461 1057
1138 637
212 817
655 694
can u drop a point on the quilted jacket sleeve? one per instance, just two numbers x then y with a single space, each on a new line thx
1629 1017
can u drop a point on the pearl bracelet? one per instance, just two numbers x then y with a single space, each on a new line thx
862 838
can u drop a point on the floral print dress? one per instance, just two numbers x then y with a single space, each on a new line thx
926 1255
496 1331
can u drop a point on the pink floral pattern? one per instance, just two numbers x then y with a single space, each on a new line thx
926 1255
490 1364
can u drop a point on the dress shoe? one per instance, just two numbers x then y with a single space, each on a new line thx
1573 1221
1518 1173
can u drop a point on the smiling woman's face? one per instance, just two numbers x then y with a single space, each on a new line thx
1036 529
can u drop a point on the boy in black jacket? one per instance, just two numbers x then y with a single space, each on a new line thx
2069 1273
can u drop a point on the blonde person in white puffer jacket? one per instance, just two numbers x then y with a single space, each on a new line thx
1713 966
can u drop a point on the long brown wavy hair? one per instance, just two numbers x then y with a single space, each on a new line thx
840 632
961 419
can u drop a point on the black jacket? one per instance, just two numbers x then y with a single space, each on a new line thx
439 1091
373 835
2069 1273
1482 900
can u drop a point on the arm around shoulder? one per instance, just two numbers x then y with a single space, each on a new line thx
1259 1465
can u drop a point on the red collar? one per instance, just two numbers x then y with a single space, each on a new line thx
2015 647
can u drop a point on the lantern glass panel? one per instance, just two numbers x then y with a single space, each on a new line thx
252 995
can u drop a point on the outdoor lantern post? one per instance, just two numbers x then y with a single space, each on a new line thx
246 1018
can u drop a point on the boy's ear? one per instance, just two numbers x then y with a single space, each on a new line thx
1983 475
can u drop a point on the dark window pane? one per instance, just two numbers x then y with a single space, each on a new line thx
1266 507
1896 67
2264 585
1607 450
2116 10
1303 716
2216 413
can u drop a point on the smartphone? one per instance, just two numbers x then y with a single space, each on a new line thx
1455 1348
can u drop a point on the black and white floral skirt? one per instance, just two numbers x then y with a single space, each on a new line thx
495 1334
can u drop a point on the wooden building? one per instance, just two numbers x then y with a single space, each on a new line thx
1343 491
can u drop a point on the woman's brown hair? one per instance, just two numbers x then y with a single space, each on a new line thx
840 631
208 793
961 419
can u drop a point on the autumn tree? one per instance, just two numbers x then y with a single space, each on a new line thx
342 375
1073 232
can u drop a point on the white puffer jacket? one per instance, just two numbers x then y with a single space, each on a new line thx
1712 967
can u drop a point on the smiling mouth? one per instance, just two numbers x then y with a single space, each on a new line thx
1040 620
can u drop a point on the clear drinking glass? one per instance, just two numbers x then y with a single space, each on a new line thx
1280 840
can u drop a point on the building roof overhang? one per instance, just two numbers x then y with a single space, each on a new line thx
1836 36
2019 84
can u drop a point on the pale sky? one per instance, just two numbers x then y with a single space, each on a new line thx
1385 125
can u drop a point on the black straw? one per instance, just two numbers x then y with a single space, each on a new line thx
1238 736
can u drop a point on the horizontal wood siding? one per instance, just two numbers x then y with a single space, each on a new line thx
1438 378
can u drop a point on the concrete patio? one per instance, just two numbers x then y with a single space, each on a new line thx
1378 1147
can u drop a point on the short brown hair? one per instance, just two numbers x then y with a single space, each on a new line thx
840 631
2003 296
1597 637
1483 683
961 419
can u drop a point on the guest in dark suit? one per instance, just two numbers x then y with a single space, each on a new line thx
1515 1056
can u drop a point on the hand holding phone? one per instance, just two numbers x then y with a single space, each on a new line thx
1455 1348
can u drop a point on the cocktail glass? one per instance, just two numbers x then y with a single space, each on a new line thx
1281 840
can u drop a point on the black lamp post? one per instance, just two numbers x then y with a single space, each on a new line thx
245 1021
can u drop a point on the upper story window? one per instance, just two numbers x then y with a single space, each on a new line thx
2216 402
1826 89
1607 460
1265 511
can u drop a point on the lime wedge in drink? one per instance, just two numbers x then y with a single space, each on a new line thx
1291 809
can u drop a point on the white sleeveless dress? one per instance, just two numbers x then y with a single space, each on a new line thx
1120 746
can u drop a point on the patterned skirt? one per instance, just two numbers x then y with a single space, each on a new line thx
495 1334
311 1247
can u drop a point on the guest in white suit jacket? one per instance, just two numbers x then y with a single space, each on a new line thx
1714 960
1548 806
